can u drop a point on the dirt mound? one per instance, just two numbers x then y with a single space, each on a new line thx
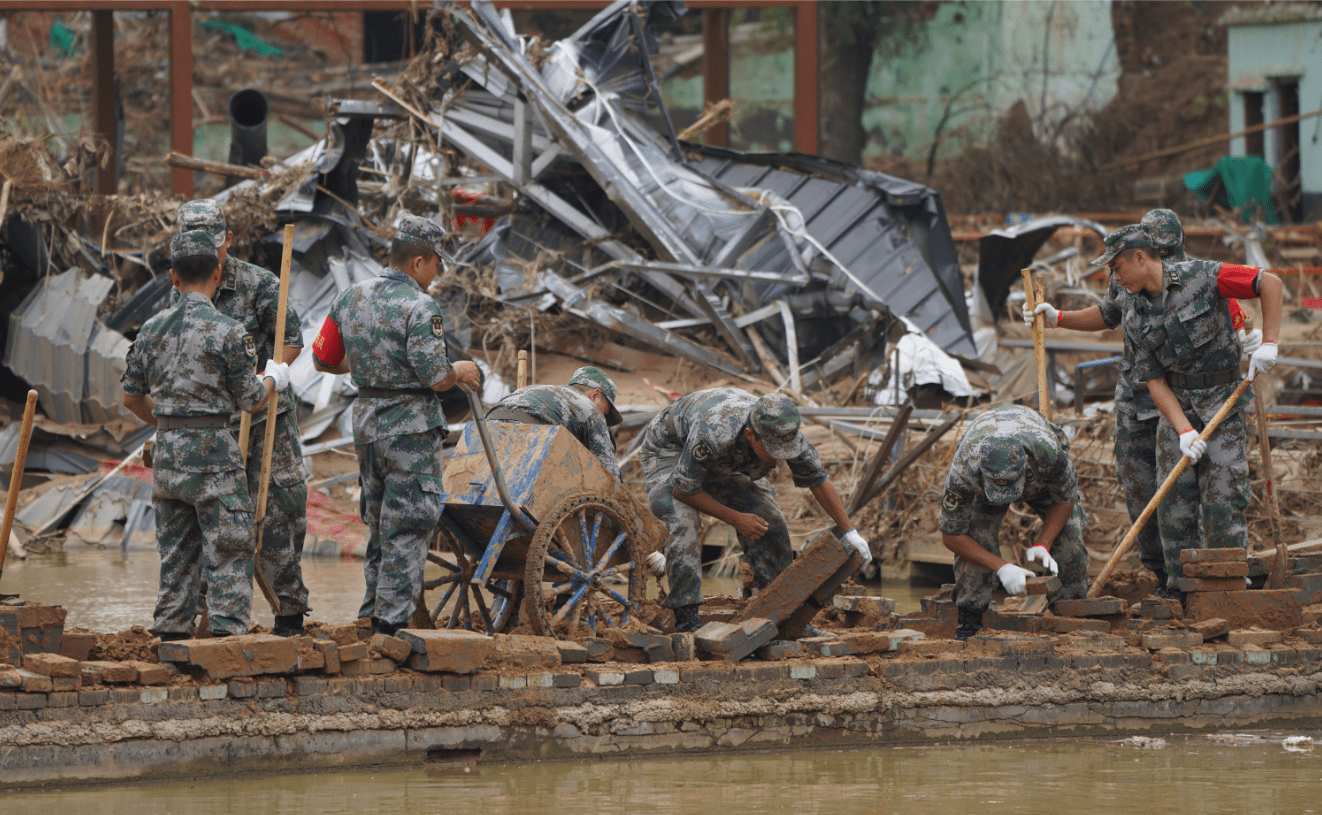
135 644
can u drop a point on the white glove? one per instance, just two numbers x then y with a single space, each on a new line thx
656 564
1250 341
1040 554
1262 359
1014 578
856 540
1191 446
278 371
1048 311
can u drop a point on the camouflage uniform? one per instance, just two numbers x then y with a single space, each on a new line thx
698 444
1192 334
566 407
394 341
251 295
1000 438
195 361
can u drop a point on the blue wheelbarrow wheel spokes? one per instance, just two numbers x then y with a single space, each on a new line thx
488 609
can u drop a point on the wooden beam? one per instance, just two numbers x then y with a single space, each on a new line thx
103 96
805 78
181 94
716 69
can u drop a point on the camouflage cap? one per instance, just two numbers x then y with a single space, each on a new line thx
596 378
424 232
195 243
1165 228
1003 465
204 213
1134 236
775 420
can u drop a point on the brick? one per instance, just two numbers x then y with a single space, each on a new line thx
539 680
456 684
212 693
604 679
330 655
929 626
571 653
512 682
76 644
93 698
123 696
1173 639
8 701
1277 609
685 646
1227 555
1283 656
10 677
1253 637
900 635
1199 584
1210 629
734 641
1312 636
1255 655
483 682
242 689
784 649
1090 607
111 673
1217 569
33 628
1011 621
311 660
1066 625
34 682
183 694
640 677
863 604
149 673
228 657
64 699
1309 587
1171 656
31 701
573 680
153 696
517 650
760 672
926 647
392 648
51 665
449 651
1156 609
309 686
353 652
1199 656
866 642
1261 565
835 648
1013 646
341 634
802 672
599 650
371 666
1042 585
817 565
271 688
664 676
65 683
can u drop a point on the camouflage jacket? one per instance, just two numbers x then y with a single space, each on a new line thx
1130 395
1048 473
709 435
1191 333
394 338
566 407
250 295
194 361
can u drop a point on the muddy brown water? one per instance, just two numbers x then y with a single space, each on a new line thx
108 590
1184 774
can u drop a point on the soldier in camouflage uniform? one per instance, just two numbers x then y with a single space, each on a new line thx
1179 321
189 367
389 333
586 408
250 295
1136 415
711 452
1011 454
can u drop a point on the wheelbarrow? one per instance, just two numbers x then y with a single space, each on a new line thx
534 524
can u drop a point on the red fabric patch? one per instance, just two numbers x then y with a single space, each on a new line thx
1237 315
329 348
1237 281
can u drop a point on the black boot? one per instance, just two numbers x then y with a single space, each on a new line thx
175 636
686 619
970 623
383 627
288 625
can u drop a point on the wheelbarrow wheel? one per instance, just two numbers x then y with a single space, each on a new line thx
488 609
578 560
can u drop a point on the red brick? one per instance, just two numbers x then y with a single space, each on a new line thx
1172 639
866 642
1277 609
77 644
51 665
815 565
1203 584
734 641
1090 607
330 653
34 683
112 673
1253 637
353 651
341 634
455 652
1230 554
1211 629
571 653
390 647
524 651
368 666
311 660
1066 625
1042 585
149 673
1217 569
1309 587
227 657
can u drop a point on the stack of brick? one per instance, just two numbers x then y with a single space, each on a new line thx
1216 582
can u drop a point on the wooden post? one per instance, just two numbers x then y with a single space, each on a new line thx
716 69
272 409
522 381
1277 579
1033 295
1166 485
16 476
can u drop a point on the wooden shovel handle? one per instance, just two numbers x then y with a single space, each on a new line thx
1032 297
16 477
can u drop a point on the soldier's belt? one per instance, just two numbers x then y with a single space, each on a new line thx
511 415
1196 381
390 393
177 422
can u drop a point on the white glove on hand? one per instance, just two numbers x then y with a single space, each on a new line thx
1040 554
1191 446
1262 359
1048 311
1014 578
278 371
1250 341
656 564
856 540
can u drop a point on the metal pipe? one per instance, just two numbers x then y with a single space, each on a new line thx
248 112
480 419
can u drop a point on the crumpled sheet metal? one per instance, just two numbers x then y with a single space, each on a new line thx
1004 253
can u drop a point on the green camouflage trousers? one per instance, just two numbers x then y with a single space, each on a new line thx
401 482
1136 467
286 524
974 584
1218 485
768 556
204 524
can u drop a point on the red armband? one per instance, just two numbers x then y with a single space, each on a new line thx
1238 281
1237 315
329 348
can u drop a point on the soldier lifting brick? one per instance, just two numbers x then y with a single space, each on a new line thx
585 407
